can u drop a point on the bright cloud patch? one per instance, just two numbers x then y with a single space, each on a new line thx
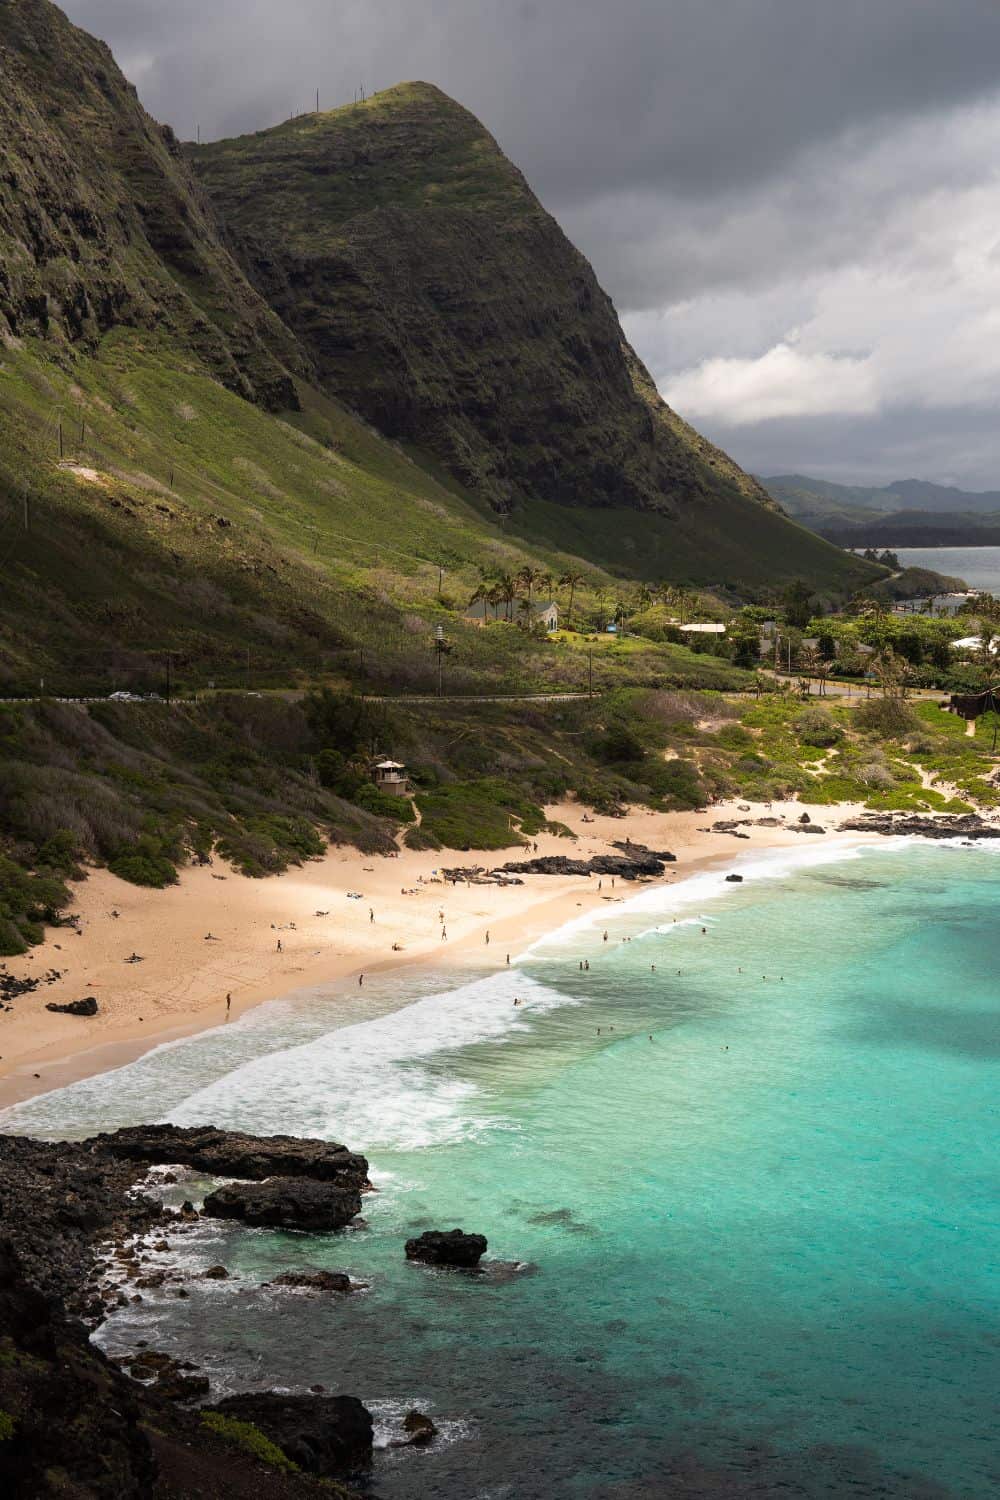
784 382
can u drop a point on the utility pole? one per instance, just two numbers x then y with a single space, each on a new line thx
60 440
590 673
440 646
440 580
83 432
317 101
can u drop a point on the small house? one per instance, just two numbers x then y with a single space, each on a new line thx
389 776
707 627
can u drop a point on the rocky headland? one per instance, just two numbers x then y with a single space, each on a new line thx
84 1231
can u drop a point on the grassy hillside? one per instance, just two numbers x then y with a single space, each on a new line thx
185 523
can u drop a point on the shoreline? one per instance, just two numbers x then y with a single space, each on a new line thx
214 933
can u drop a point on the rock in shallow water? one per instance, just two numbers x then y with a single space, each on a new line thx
419 1429
285 1203
440 1247
315 1281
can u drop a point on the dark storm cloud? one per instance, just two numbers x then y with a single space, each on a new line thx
749 177
586 95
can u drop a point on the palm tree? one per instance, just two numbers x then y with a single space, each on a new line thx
507 588
527 578
571 581
481 591
547 581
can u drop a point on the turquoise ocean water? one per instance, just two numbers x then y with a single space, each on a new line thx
758 1253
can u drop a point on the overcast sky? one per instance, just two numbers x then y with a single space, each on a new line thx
794 203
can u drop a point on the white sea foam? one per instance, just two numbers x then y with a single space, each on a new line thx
376 1081
696 891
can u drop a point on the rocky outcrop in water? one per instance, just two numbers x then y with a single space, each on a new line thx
419 1429
316 1281
451 1247
324 1435
285 1203
80 1427
919 825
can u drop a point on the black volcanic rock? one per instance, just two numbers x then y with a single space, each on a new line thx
453 1247
87 1007
628 867
325 1435
315 1281
632 851
944 826
419 1429
73 1413
228 1153
81 1427
285 1203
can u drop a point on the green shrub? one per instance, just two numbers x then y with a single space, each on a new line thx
478 814
888 718
250 1439
143 868
383 805
676 781
7 1426
419 837
734 737
815 727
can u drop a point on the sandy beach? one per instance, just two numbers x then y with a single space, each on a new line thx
217 933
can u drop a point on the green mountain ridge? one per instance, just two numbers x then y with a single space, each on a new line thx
179 480
439 300
803 496
905 513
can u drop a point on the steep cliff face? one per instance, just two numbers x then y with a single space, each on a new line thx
101 223
439 299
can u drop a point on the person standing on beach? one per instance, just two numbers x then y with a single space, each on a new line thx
371 914
229 1002
279 946
444 934
361 980
487 937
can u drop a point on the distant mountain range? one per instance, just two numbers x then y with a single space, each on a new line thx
907 512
